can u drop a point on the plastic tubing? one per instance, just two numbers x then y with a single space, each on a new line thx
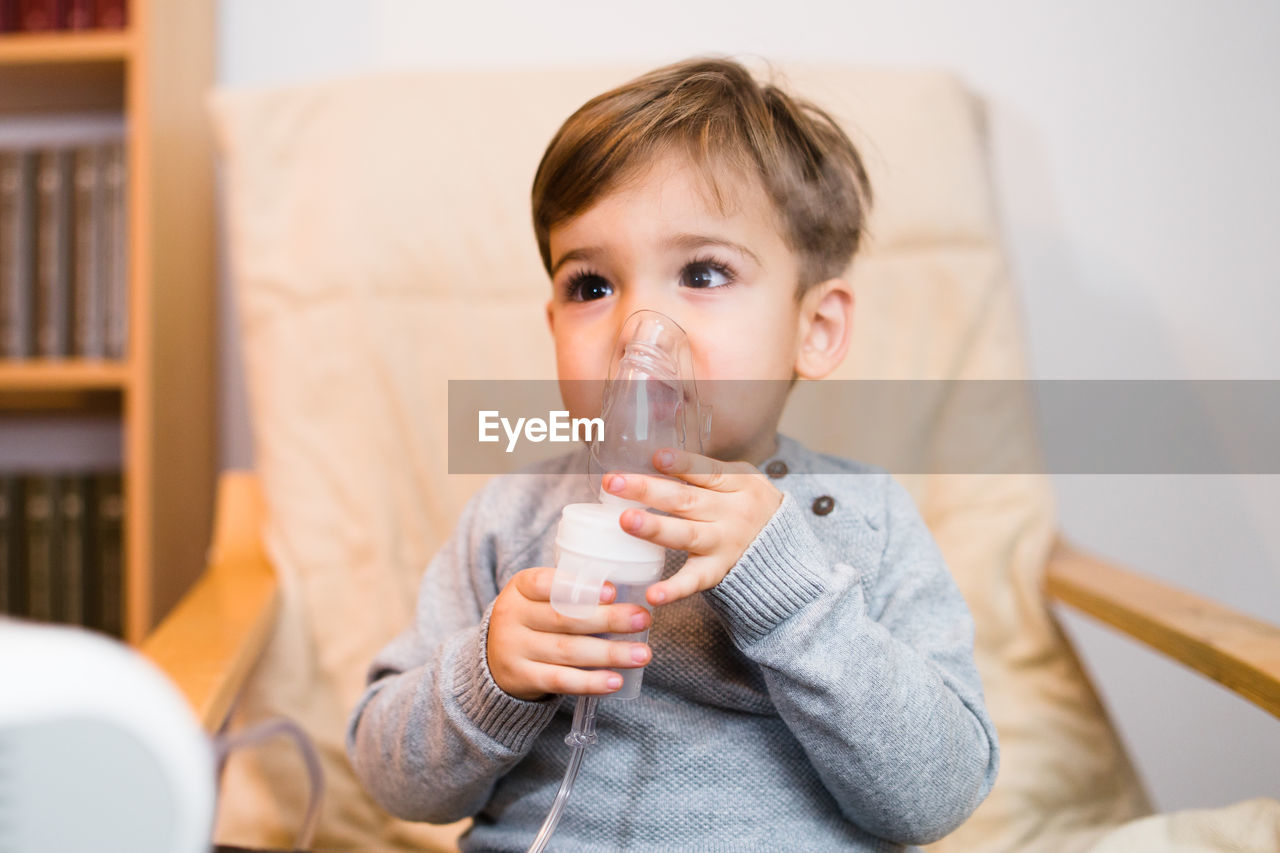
265 730
581 735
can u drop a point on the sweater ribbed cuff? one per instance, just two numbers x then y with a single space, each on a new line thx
780 572
512 722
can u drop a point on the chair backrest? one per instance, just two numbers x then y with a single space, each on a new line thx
380 244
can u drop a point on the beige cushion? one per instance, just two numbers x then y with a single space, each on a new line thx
1246 826
380 244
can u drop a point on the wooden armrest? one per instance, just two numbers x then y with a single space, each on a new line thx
210 641
1233 649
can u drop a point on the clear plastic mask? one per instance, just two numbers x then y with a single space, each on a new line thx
650 400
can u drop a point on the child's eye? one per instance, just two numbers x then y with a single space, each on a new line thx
585 286
704 275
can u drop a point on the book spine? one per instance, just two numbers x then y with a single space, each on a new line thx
73 524
17 252
9 20
36 15
9 164
115 252
9 249
87 316
41 545
54 254
109 540
12 591
112 14
78 14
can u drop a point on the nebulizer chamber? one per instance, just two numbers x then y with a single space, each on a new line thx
592 548
650 402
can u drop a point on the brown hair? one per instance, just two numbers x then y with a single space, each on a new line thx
719 115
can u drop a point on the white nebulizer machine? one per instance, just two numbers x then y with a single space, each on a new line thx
99 750
650 402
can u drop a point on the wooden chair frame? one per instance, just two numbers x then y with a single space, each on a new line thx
210 641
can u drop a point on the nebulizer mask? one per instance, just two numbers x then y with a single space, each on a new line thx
650 402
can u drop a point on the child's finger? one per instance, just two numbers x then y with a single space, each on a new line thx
586 652
671 496
571 681
695 576
606 619
701 470
669 531
535 585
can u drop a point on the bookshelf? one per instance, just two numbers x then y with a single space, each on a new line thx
156 73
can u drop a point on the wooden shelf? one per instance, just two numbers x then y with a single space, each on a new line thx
63 375
156 73
62 46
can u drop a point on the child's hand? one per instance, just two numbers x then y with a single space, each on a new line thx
534 651
715 514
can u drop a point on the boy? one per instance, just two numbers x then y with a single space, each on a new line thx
810 681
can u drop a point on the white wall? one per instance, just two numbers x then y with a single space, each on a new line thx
1135 149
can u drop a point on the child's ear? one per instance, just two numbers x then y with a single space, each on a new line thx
826 323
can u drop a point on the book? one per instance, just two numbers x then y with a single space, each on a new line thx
53 252
108 532
17 251
25 141
115 251
78 14
36 15
61 548
9 21
88 300
12 573
45 15
70 573
112 14
42 540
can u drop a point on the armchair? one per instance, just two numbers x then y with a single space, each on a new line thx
373 222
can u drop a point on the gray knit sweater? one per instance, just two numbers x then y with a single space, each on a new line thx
822 697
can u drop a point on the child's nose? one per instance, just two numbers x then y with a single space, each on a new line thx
651 300
654 324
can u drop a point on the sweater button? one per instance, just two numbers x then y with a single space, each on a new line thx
823 505
776 469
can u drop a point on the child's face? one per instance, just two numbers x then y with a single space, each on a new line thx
729 281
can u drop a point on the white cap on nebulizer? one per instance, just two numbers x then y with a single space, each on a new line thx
592 547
